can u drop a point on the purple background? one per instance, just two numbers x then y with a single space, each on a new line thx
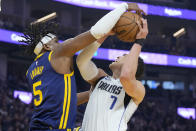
24 96
149 9
186 112
111 54
10 36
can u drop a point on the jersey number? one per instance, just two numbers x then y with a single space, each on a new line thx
37 102
113 103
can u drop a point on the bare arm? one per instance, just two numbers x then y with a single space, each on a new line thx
86 66
102 27
127 77
132 87
82 97
70 47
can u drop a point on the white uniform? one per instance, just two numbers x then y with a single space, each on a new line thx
109 108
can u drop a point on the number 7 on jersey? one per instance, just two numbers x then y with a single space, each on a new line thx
114 101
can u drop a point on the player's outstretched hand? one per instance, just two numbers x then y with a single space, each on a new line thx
143 30
135 7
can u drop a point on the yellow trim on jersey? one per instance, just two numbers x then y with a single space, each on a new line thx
27 73
70 74
69 99
65 103
49 56
38 56
77 129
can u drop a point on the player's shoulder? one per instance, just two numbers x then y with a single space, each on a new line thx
101 78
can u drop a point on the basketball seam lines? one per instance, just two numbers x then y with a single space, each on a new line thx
129 24
129 18
123 25
128 32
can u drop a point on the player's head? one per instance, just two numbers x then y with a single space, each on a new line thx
40 37
118 63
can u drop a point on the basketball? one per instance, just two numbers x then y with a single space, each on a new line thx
126 28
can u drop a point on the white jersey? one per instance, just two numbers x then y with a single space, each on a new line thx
109 108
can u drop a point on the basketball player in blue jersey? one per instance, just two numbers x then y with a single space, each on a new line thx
115 98
51 75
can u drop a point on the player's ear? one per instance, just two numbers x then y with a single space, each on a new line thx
47 47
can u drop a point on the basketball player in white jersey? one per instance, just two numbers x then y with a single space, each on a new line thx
115 98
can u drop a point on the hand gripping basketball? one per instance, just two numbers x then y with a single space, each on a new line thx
135 7
143 31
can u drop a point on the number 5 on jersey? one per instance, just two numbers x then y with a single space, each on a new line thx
37 102
113 103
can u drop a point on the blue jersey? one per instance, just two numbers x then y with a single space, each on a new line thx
54 96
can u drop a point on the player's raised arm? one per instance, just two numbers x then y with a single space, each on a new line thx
133 87
102 27
87 68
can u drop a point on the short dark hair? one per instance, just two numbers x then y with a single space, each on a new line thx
140 68
34 33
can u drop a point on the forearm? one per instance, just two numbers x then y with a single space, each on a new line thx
87 53
130 64
70 47
87 68
128 71
129 67
101 28
82 97
107 22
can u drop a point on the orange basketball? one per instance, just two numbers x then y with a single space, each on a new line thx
126 28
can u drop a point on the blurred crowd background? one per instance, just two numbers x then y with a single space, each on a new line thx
170 101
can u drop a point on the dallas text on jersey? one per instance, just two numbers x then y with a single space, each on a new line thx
110 88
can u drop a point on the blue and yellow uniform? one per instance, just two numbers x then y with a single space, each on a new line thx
54 96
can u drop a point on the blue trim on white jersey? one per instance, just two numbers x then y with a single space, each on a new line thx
121 119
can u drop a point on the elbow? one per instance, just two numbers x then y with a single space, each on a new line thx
127 77
128 83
